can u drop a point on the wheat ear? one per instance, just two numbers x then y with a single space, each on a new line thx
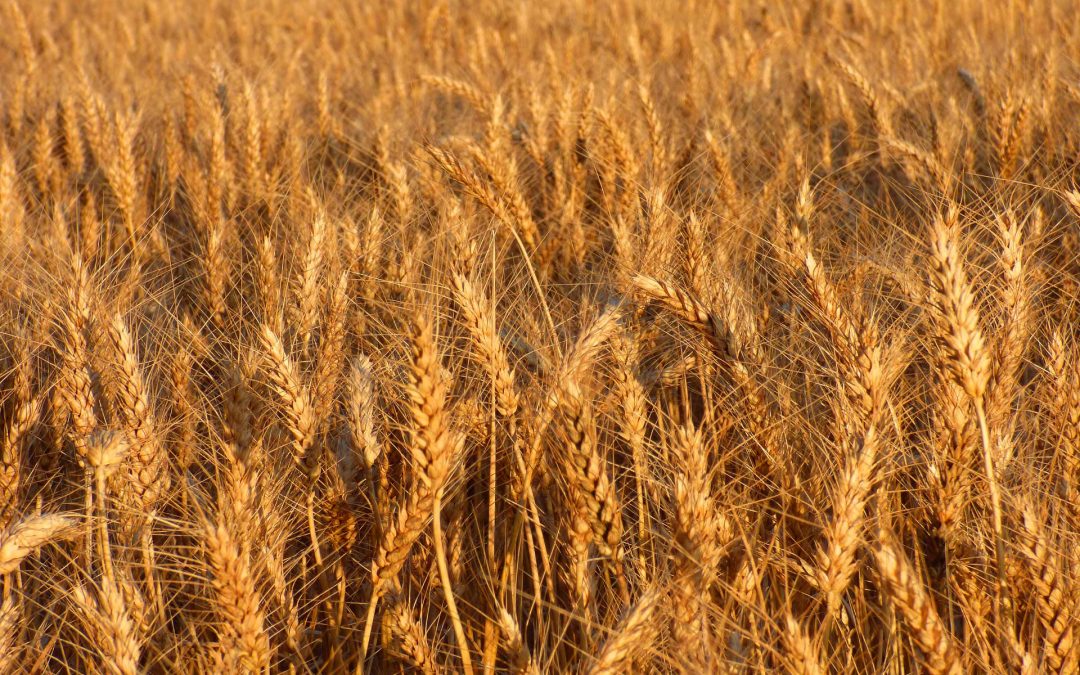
908 595
1054 601
108 622
634 635
967 357
409 638
241 634
24 537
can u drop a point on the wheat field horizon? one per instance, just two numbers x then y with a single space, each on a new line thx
528 337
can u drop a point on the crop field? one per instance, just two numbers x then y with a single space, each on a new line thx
561 336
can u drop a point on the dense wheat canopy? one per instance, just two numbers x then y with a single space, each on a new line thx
527 337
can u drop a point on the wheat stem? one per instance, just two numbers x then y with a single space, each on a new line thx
448 591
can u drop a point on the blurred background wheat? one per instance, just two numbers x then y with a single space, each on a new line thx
559 336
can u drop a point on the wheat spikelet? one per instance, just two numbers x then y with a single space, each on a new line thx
502 172
633 428
11 207
1064 370
620 165
215 263
399 535
967 360
43 156
266 282
925 160
71 136
856 338
1008 132
1011 342
685 306
513 213
76 386
956 445
430 444
122 174
218 169
432 450
1072 198
657 132
106 450
183 405
879 116
252 142
477 99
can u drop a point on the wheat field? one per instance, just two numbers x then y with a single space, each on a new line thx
461 337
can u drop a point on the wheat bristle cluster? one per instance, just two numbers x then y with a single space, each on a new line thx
448 336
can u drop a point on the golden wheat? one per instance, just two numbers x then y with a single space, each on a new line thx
450 336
